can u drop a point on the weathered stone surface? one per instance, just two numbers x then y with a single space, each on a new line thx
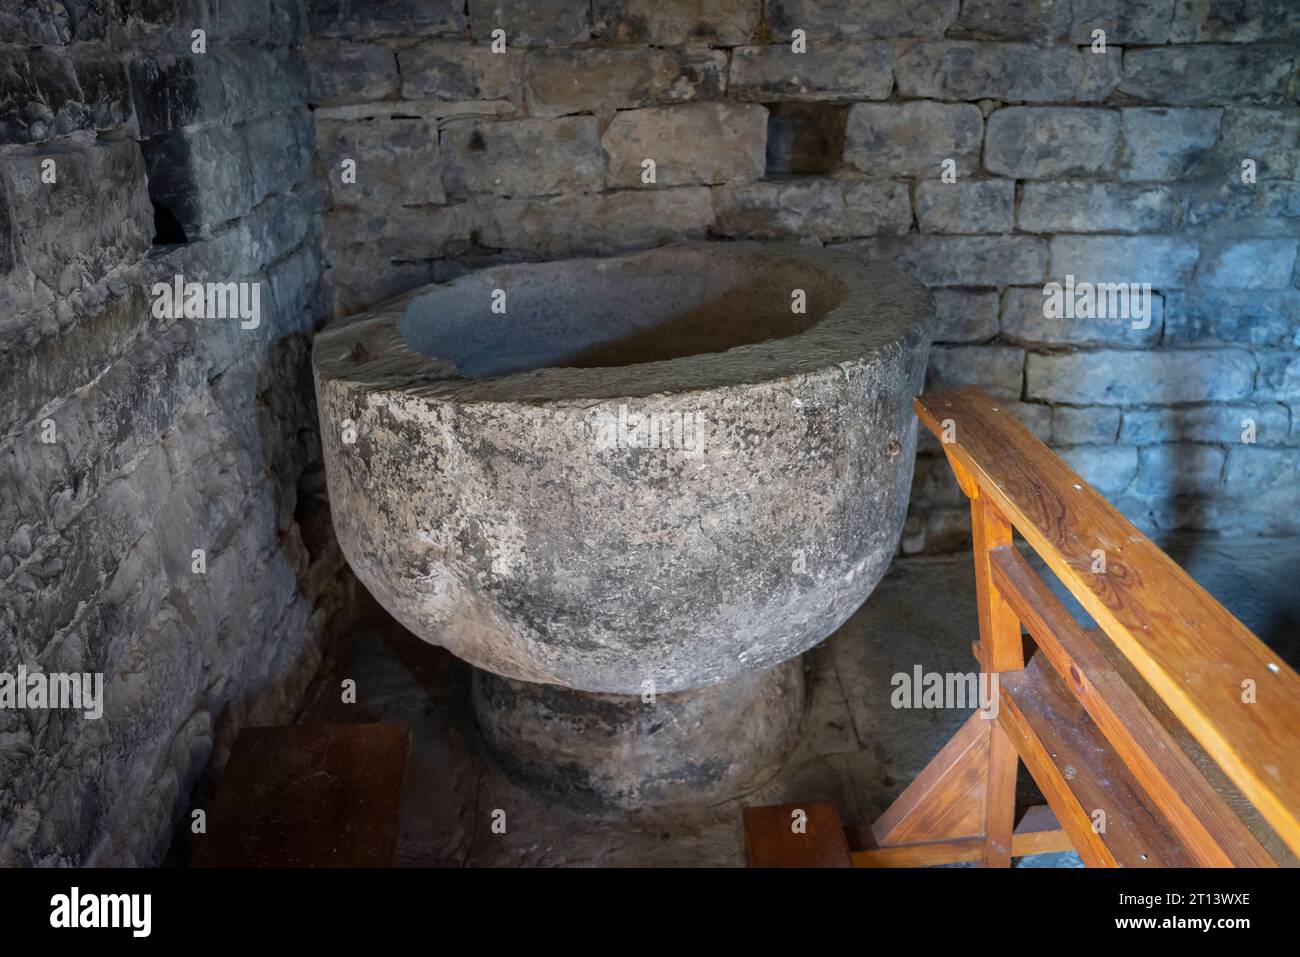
530 22
998 370
672 22
1161 261
966 206
603 752
71 233
1136 22
521 157
1019 19
1164 144
1245 22
826 208
350 72
696 143
393 18
1085 425
454 70
626 219
1252 470
1023 321
1269 137
829 71
967 70
1253 210
1091 207
861 19
1223 424
1027 142
45 94
964 260
487 558
963 315
1179 469
1115 377
604 80
912 139
1208 74
1258 318
1248 264
397 162
1110 469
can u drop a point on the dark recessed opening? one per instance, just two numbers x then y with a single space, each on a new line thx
804 138
167 229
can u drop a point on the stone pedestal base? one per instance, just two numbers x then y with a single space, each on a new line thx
618 752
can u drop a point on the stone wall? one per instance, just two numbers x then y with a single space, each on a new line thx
129 439
1118 166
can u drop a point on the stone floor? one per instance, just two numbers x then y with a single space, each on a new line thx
856 750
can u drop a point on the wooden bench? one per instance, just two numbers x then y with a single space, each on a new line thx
1169 736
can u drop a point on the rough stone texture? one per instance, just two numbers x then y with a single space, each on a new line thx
606 752
1127 163
1109 377
385 152
842 71
455 502
912 139
601 81
1041 142
968 206
692 144
171 434
1004 71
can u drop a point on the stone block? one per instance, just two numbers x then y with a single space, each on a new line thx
1023 321
1028 142
392 18
1110 469
877 207
593 80
1016 19
1248 264
1255 317
1208 74
1179 469
1136 22
691 144
350 72
1165 144
998 370
1119 377
397 162
1215 424
677 22
1026 72
912 139
1092 207
532 157
861 19
966 206
1086 425
530 22
964 260
1162 261
827 71
1269 137
965 315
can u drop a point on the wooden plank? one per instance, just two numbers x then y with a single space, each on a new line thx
1191 651
772 841
1210 830
1079 774
308 796
947 798
1003 651
1037 833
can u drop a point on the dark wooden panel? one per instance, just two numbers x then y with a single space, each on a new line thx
771 842
314 796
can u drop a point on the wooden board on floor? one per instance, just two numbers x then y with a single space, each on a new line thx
772 841
308 796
